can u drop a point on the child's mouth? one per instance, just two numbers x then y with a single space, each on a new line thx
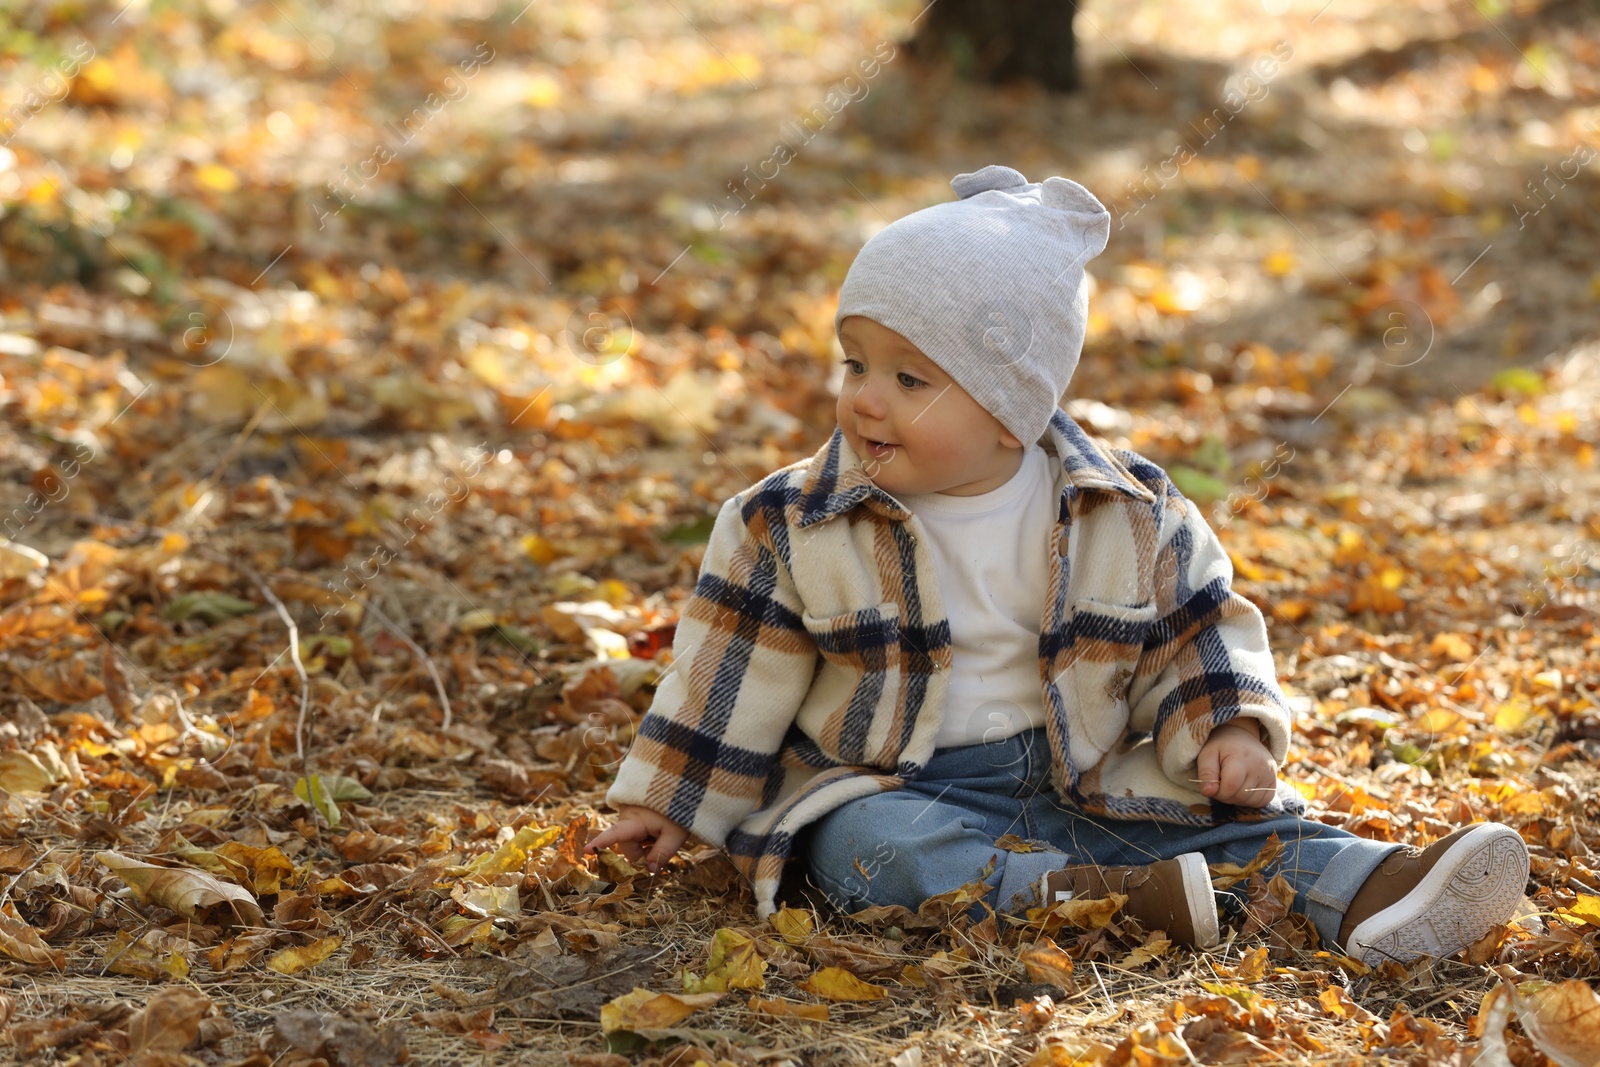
879 449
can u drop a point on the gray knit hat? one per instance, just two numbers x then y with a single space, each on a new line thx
991 287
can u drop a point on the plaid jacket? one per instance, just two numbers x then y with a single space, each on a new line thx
810 664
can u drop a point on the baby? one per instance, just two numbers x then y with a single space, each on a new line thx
964 619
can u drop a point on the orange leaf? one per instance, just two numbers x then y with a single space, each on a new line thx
789 1009
1563 1020
1047 963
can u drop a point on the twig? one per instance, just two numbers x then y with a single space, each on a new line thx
233 450
423 657
302 722
1109 1002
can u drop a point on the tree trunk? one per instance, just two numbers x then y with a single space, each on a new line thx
1000 42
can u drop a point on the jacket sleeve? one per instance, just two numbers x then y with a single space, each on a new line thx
741 664
1205 659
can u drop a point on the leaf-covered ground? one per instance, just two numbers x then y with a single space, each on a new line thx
370 378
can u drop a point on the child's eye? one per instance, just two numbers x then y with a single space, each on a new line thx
850 364
909 381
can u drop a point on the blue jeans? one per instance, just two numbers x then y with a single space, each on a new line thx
939 832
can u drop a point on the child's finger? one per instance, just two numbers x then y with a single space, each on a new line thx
628 830
1206 765
668 841
1231 780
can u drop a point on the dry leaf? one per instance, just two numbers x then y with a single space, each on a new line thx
154 955
952 906
1046 962
836 983
794 925
1228 875
1074 1052
349 1040
1013 843
267 868
187 892
21 941
488 901
169 1022
117 692
511 856
1253 968
1335 1001
22 772
295 960
734 964
1563 1020
1586 909
789 1009
455 1022
643 1010
1082 913
1154 947
240 951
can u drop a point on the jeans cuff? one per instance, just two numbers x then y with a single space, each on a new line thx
1329 897
1019 881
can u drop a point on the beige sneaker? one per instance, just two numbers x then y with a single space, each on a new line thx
1436 901
1172 895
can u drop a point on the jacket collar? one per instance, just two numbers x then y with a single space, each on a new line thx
836 481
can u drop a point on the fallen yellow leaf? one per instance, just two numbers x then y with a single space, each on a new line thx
512 855
1013 843
836 983
1227 875
295 960
644 1009
22 772
1082 913
1453 647
734 964
794 925
1585 909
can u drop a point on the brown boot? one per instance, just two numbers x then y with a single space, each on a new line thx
1172 895
1436 901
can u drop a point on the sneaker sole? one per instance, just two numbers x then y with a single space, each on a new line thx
1476 885
1202 900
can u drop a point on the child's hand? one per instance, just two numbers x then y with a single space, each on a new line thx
636 825
1236 767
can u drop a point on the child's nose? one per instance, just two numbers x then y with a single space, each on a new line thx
867 399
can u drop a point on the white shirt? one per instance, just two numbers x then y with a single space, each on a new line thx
992 559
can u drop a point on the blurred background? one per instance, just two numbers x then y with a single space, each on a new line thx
281 267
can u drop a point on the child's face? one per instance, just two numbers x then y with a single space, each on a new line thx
914 428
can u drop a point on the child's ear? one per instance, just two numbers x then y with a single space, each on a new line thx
1009 440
